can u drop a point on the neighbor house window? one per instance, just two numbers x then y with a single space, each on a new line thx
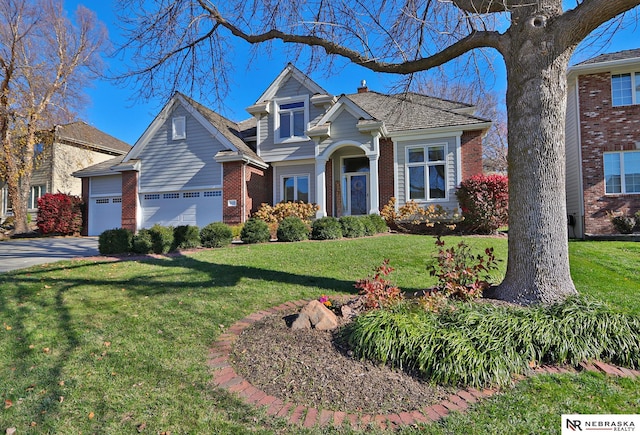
622 172
178 128
295 188
625 89
34 193
426 172
292 118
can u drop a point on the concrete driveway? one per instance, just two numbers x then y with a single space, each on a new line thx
21 253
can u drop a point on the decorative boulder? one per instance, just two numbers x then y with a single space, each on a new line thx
316 315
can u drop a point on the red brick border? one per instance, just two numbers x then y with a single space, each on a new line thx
226 378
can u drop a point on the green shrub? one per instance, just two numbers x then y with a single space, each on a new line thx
116 241
326 228
236 230
216 235
351 227
255 231
186 237
379 224
292 229
161 238
483 344
637 218
142 242
623 224
368 225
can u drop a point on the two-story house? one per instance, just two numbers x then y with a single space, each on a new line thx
349 154
603 141
74 146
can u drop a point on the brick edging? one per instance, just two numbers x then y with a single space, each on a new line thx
226 378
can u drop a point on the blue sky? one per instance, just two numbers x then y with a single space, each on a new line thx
113 111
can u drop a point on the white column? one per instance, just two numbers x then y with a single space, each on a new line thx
374 187
321 193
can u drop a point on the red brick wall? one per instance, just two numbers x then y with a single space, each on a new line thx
232 190
471 153
129 200
258 189
385 172
85 208
603 128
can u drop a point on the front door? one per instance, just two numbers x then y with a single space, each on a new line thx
357 194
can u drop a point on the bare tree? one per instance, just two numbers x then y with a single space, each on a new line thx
186 42
45 62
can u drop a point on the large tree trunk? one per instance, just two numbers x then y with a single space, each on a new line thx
538 259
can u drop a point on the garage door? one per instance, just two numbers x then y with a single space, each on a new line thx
181 208
104 214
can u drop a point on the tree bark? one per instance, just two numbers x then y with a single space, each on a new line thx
538 258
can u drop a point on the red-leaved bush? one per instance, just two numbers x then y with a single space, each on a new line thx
379 292
59 213
484 200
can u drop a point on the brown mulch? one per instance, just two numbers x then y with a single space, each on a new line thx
309 368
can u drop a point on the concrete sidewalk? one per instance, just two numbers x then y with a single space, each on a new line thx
21 253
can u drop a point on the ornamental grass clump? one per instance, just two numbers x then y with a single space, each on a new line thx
481 344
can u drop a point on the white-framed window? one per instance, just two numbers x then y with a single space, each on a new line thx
178 128
291 119
426 172
295 188
622 172
625 89
34 193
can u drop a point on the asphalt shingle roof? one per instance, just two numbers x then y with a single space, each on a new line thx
413 111
82 133
618 55
101 168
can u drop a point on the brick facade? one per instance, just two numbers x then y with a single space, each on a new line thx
85 209
129 200
471 153
604 128
247 186
385 172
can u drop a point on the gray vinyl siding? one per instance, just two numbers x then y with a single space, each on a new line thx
170 165
271 151
451 170
288 170
106 185
573 163
343 128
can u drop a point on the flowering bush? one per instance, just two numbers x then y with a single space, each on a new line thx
59 213
324 300
412 217
377 289
277 213
484 200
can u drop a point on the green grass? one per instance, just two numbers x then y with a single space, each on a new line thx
127 342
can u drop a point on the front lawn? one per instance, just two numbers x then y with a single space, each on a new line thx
120 347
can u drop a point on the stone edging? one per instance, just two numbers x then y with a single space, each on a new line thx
226 378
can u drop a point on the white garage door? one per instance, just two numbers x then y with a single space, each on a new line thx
104 214
181 208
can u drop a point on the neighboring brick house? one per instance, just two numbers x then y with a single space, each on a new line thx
349 154
603 141
74 146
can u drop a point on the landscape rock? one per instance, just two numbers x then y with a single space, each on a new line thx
301 322
321 317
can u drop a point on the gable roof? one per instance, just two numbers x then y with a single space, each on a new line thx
226 131
81 133
99 169
415 112
290 71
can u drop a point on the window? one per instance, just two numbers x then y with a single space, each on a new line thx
178 128
426 172
622 172
35 193
295 188
291 121
625 89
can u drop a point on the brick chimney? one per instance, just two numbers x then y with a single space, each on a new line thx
363 87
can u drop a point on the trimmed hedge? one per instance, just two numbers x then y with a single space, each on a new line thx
116 241
379 223
255 231
292 229
186 237
326 228
142 242
352 227
216 235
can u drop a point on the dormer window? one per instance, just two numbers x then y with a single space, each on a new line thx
178 128
292 117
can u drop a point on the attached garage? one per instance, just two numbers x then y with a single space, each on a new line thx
105 204
181 208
